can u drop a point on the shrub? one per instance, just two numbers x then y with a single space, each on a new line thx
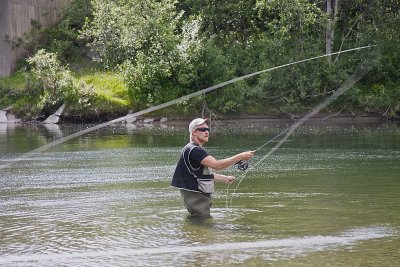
48 76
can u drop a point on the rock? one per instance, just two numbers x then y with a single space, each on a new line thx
12 119
149 120
164 119
130 119
7 117
148 125
131 128
3 116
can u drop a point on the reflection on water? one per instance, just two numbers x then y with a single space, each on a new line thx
54 129
328 196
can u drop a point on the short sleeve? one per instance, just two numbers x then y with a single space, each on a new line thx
196 156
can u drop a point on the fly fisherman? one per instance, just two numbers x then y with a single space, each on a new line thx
194 174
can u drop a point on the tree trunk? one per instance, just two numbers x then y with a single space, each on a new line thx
329 31
331 12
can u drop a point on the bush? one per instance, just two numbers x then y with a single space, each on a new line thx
50 78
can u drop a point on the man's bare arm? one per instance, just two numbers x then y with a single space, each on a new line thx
221 164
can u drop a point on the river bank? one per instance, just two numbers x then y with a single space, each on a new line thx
319 118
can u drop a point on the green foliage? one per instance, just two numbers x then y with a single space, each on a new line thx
53 80
14 92
287 31
227 21
296 22
377 23
62 38
121 29
91 95
155 51
143 39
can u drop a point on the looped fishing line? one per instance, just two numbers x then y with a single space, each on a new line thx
254 165
364 68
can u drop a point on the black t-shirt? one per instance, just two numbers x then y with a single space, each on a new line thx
189 168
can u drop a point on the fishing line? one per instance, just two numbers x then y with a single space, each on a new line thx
363 69
32 153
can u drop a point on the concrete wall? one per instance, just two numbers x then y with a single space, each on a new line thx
15 21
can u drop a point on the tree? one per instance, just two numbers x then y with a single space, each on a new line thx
50 77
230 21
172 48
149 42
374 22
331 13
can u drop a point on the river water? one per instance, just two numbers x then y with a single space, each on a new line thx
329 196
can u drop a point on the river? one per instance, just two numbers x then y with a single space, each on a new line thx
329 196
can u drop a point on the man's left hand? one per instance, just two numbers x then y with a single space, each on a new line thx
229 180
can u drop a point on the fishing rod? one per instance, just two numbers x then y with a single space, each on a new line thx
244 165
363 69
32 153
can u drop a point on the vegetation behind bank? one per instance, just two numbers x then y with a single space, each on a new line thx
106 58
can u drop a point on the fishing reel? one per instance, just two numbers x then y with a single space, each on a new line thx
242 165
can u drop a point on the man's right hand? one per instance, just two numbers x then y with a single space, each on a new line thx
247 155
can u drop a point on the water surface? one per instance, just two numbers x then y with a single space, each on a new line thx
330 195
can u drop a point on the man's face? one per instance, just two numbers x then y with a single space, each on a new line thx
201 132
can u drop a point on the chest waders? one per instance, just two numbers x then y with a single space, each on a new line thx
198 203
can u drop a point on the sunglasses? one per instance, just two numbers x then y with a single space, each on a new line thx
203 129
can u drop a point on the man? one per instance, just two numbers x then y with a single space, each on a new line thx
194 174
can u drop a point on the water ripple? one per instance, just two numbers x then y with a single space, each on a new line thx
268 249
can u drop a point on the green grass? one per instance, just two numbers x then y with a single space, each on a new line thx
107 85
16 81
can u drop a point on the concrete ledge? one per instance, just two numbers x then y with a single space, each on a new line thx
55 118
3 116
7 117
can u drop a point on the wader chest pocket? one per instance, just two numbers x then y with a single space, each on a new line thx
206 186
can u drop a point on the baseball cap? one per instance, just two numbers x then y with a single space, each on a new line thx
196 122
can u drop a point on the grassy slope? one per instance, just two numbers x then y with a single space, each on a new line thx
108 87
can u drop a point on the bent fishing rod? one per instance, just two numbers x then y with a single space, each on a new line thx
362 70
32 153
